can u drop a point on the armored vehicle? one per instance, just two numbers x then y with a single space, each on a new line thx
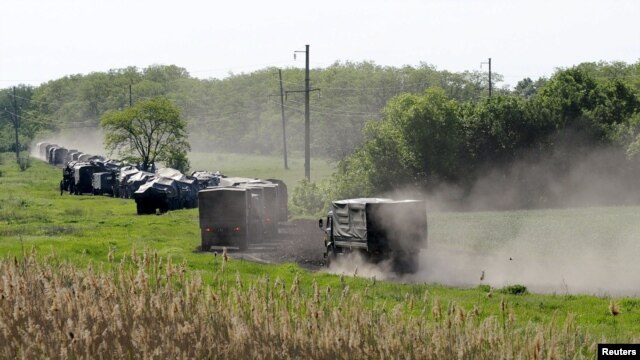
82 181
160 193
58 155
230 216
207 178
171 190
104 183
381 229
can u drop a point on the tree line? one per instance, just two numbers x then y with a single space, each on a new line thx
239 113
535 146
386 126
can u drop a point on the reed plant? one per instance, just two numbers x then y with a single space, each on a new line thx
141 305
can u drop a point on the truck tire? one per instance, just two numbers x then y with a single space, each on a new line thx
405 262
331 255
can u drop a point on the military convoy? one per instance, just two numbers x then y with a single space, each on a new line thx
92 174
380 229
238 212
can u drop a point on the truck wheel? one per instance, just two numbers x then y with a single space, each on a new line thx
405 263
331 255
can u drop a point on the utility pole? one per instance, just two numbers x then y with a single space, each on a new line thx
284 131
490 84
130 98
307 128
16 123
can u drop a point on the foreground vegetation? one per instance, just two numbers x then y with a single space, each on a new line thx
95 262
144 307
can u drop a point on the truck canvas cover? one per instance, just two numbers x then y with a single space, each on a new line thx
352 216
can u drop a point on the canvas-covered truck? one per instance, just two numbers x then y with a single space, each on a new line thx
230 216
380 229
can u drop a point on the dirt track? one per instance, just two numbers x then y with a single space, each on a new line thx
298 241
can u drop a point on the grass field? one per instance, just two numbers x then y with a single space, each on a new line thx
100 232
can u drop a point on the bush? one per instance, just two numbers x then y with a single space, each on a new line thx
514 290
24 162
307 199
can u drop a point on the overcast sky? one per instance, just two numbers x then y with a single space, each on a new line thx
44 40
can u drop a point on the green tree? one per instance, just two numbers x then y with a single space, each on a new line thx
152 130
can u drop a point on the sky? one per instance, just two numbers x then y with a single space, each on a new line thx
42 40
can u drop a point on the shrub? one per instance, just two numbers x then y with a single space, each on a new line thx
307 199
24 162
514 290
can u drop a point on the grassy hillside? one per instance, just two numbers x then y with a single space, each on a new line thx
103 232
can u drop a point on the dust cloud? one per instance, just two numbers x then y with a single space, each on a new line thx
86 140
569 228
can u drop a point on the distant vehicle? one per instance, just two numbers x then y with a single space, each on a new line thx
380 229
206 178
170 190
230 216
82 180
104 183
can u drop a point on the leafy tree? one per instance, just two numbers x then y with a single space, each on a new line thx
527 87
152 130
15 105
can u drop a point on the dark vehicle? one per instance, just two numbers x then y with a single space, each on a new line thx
69 156
58 155
82 181
270 205
104 183
136 180
67 177
42 150
230 216
46 151
283 196
206 178
380 229
166 193
160 193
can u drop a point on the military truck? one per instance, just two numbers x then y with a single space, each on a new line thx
380 229
230 216
82 180
270 205
160 193
166 194
283 199
104 183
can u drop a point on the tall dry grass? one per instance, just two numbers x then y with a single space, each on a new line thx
147 307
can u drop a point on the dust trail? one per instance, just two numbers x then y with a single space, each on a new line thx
86 140
354 264
580 240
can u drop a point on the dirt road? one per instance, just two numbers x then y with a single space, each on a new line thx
298 241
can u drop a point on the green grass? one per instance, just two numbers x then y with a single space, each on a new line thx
83 229
264 167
